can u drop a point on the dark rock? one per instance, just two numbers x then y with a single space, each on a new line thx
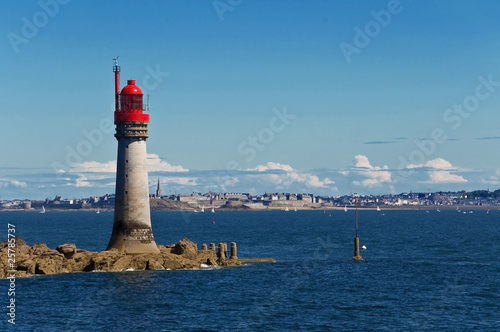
27 265
48 265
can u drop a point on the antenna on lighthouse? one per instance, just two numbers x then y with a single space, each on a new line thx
116 70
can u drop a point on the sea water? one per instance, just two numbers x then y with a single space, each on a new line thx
421 271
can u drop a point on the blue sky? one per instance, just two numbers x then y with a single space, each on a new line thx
327 97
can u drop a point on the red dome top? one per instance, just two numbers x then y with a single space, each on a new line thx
131 89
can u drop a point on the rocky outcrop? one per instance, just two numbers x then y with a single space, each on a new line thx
66 258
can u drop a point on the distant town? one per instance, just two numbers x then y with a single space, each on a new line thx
211 201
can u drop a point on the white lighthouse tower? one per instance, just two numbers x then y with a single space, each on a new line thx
132 232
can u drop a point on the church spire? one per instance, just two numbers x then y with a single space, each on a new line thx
158 189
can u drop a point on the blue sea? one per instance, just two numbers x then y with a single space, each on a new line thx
421 271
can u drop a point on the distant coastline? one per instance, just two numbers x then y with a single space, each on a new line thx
463 208
214 202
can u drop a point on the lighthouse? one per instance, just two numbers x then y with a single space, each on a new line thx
132 232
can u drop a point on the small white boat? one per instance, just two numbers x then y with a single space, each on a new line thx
213 210
202 208
378 208
98 211
345 208
286 209
43 209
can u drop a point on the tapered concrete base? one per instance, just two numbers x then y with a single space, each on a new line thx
127 245
132 232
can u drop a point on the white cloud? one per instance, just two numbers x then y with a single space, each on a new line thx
155 164
82 182
94 167
272 166
201 182
184 181
438 163
445 177
310 180
492 179
374 175
362 161
230 181
288 178
20 184
221 183
439 171
13 183
315 182
271 179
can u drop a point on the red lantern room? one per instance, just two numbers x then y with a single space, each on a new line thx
131 97
131 106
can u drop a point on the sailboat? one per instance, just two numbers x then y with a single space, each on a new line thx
43 209
203 208
286 208
345 208
213 210
378 208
